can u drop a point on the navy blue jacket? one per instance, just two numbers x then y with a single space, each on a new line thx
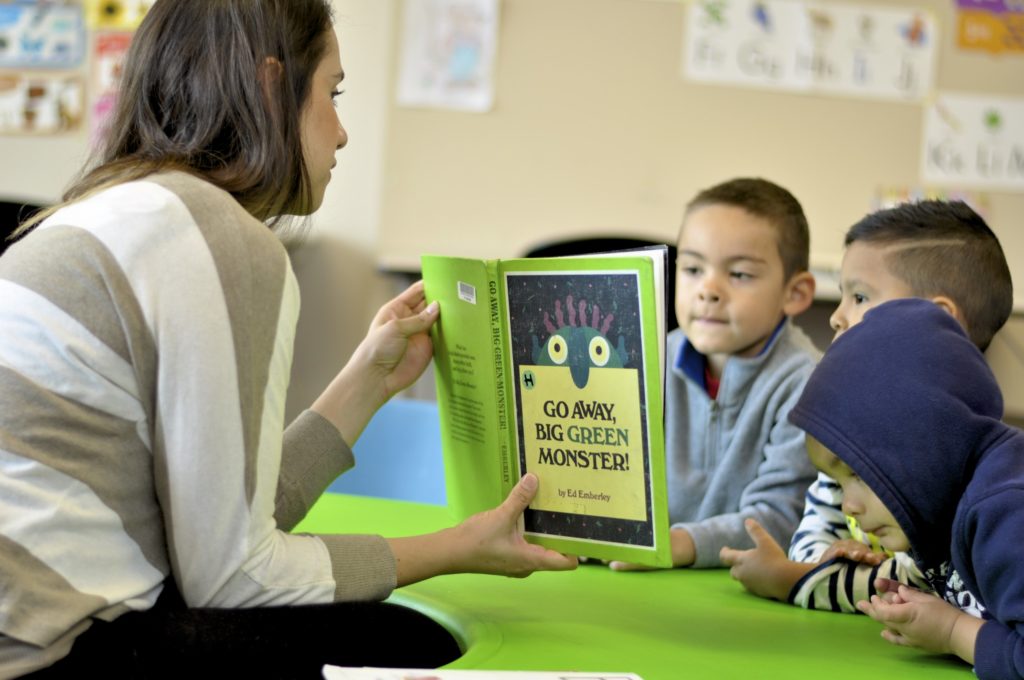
907 401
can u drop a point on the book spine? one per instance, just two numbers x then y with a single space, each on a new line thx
501 391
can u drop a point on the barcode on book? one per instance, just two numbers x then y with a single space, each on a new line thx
467 292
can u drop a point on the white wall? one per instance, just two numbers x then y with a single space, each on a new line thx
337 268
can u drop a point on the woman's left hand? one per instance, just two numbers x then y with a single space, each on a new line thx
489 542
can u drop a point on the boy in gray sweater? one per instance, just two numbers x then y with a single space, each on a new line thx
737 364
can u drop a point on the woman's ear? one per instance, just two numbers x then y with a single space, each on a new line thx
270 72
799 293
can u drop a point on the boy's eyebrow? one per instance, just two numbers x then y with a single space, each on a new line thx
339 76
731 259
855 283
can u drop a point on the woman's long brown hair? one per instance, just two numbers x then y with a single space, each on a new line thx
215 88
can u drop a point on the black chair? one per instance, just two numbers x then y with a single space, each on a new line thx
13 213
604 244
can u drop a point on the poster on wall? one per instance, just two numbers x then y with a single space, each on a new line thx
975 141
994 26
40 104
41 35
109 50
892 196
820 47
116 15
447 54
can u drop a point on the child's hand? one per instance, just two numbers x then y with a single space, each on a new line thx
916 619
855 551
683 553
889 590
491 542
764 570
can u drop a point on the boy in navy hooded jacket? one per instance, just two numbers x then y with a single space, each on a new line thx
904 413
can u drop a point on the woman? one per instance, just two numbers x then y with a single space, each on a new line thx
147 481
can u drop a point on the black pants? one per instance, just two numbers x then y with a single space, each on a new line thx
171 640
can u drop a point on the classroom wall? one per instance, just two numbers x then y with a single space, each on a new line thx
593 130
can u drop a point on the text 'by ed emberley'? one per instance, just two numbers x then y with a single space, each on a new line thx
583 494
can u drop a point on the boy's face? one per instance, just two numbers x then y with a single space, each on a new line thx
865 281
859 501
730 292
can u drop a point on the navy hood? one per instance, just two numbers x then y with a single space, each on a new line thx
909 403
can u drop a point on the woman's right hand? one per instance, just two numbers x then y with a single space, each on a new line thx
394 353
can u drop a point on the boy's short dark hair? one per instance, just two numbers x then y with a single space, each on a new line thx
770 202
945 248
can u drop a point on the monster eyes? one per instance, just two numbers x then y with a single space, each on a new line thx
599 351
558 350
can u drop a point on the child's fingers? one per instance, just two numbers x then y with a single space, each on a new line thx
886 585
729 556
894 637
761 538
873 607
889 613
755 531
616 565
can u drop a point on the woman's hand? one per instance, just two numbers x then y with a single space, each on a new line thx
394 353
490 542
397 344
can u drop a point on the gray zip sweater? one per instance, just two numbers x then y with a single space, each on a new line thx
737 456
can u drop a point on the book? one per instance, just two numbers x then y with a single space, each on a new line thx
556 366
368 673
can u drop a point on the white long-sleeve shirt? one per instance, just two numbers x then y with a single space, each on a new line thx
839 584
145 352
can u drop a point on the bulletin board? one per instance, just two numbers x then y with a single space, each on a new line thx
595 130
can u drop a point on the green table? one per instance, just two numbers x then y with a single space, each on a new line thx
665 625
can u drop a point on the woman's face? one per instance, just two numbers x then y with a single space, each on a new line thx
322 133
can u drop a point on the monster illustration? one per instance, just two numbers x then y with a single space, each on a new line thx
576 344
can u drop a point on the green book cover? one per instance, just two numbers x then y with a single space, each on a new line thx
556 366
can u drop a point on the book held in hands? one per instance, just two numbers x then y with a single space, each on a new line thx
555 366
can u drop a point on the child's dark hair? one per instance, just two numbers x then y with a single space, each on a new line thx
770 202
945 248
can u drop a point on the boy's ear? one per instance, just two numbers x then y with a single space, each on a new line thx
799 293
950 307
